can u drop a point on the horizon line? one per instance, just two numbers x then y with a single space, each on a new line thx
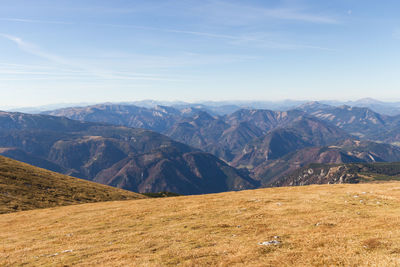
88 103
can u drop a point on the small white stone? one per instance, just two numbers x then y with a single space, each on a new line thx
269 243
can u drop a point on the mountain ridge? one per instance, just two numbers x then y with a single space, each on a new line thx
256 139
85 149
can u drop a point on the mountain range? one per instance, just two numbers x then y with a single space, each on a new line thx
228 107
134 159
249 137
189 149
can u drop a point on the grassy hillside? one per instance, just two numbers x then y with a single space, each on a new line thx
326 225
25 187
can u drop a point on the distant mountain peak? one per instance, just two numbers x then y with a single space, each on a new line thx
311 103
347 107
313 106
368 100
202 115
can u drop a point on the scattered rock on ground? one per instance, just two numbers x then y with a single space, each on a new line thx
269 243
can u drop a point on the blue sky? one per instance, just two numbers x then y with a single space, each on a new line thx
97 51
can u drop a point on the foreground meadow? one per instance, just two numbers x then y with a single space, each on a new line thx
328 225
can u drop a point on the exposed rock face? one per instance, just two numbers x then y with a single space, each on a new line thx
340 173
347 151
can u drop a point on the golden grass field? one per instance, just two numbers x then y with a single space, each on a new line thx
325 225
25 187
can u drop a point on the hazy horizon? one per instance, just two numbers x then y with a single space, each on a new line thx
216 102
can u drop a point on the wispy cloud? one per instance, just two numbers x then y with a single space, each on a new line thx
224 12
34 50
291 14
67 69
166 30
250 39
239 14
80 69
23 20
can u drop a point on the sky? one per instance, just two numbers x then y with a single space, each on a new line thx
73 51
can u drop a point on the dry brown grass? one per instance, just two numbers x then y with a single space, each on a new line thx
25 187
328 225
